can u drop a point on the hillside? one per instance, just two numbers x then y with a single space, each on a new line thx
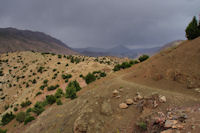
12 40
162 94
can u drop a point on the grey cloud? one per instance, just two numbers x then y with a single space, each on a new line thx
102 23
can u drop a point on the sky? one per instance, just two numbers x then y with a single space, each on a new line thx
102 23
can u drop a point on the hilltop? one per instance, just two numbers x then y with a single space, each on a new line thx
12 40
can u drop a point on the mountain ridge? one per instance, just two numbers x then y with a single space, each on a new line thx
12 40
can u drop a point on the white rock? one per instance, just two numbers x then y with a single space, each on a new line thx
162 99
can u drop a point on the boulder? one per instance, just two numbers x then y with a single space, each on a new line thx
115 93
162 99
170 123
123 106
129 101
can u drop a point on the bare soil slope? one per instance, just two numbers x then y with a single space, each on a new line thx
179 63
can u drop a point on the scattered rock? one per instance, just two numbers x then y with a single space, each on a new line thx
118 96
162 99
123 106
155 104
106 108
170 123
115 93
129 101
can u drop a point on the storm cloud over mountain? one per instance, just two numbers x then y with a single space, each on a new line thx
102 23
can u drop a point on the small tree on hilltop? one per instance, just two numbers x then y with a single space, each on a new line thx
193 29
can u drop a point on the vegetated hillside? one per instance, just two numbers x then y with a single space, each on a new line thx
12 40
22 75
151 96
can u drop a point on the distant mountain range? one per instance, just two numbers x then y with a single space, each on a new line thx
119 51
12 40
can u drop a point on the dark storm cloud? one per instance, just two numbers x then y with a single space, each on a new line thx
102 23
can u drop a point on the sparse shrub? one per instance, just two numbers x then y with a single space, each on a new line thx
15 109
45 81
71 92
38 108
28 110
67 76
102 74
34 81
117 67
66 80
20 117
143 58
51 99
59 56
26 103
54 70
42 87
38 93
58 63
90 78
59 93
52 87
40 70
142 125
58 102
1 73
75 84
6 118
28 119
6 107
132 62
3 131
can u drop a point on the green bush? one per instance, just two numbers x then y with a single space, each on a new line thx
193 29
38 108
59 93
6 118
52 87
51 99
90 78
58 102
71 92
38 93
15 109
28 119
143 58
20 117
142 125
40 70
75 84
45 81
132 62
42 87
3 131
59 56
102 74
26 103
